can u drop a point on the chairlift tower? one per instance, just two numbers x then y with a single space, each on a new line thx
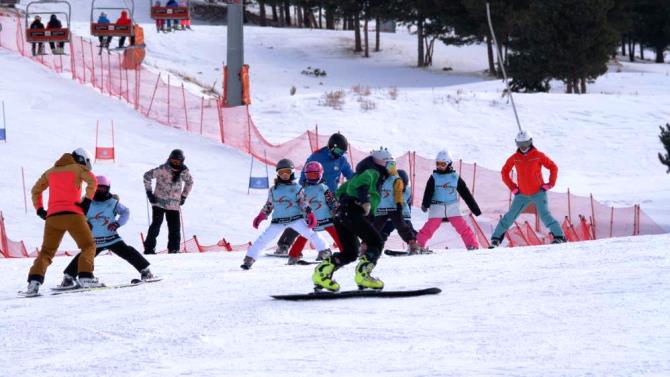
235 53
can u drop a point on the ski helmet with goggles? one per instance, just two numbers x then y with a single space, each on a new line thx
312 169
384 158
444 156
524 140
103 181
285 163
338 144
83 157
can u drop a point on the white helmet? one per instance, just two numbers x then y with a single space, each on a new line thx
83 157
523 139
381 156
444 156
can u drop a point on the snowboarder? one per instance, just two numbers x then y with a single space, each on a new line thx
102 215
123 21
323 203
65 213
441 200
334 162
289 208
54 23
358 197
530 187
167 199
37 48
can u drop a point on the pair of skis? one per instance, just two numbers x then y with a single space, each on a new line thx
59 290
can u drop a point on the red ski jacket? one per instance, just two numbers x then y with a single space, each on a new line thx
529 171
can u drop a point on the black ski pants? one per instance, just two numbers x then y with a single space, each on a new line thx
120 248
287 238
404 228
174 231
351 224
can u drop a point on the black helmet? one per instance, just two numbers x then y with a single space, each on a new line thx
285 163
337 140
403 175
176 159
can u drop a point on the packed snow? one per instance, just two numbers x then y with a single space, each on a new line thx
591 308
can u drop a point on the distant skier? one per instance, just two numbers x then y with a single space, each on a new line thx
185 23
323 203
358 197
102 215
65 214
530 187
167 199
335 165
37 48
289 208
54 23
441 200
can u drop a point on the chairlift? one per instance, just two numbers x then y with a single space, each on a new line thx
171 12
8 3
112 29
48 35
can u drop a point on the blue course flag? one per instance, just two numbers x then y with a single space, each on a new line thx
3 134
259 183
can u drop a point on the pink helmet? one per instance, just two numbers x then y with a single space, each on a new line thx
313 167
103 181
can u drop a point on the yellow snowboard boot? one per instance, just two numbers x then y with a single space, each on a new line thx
323 276
363 278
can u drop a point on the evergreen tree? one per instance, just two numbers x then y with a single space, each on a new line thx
665 139
652 25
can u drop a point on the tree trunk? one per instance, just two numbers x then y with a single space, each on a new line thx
568 87
367 41
641 51
287 13
320 16
300 22
659 54
330 19
489 51
583 85
275 18
419 35
357 33
350 23
631 50
261 5
378 34
623 45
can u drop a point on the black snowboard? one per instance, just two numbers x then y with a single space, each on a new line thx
358 293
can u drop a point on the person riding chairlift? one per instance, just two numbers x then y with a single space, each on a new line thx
124 21
37 48
104 41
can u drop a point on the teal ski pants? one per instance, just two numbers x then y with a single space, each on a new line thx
520 203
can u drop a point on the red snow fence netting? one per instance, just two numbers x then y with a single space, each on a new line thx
170 100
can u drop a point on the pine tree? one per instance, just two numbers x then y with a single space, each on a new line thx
665 139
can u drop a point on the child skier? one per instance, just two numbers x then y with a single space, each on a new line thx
102 215
323 203
442 198
358 197
287 204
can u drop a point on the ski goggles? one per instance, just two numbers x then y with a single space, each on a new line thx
313 176
337 151
441 163
391 167
284 171
175 162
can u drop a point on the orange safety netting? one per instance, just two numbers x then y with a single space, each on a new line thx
163 98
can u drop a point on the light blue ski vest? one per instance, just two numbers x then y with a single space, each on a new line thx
316 198
285 203
100 215
407 195
387 203
445 188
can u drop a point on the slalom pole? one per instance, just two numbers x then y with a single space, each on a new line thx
4 121
502 65
148 218
23 181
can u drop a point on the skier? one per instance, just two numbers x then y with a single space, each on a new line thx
323 203
54 23
123 21
392 208
104 41
389 226
37 48
441 197
288 206
65 214
334 162
530 187
358 197
102 215
167 199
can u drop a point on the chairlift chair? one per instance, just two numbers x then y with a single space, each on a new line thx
8 3
111 29
170 13
48 35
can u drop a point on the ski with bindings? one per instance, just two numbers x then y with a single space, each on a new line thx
133 283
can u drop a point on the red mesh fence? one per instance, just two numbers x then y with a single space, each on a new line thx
165 99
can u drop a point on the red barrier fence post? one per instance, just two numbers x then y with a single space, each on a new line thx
593 217
109 75
202 112
183 93
153 95
569 206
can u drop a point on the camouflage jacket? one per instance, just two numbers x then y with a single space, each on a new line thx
168 191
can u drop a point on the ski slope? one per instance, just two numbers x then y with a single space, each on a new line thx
592 308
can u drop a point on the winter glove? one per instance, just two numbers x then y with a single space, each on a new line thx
311 220
366 208
545 187
182 201
424 209
151 197
257 221
515 191
42 213
113 226
84 204
398 207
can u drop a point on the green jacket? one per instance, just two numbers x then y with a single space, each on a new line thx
363 188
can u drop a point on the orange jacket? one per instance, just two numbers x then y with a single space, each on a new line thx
529 171
64 184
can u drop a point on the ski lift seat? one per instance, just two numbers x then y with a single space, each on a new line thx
170 13
47 35
111 30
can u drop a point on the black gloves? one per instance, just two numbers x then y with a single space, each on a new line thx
151 197
182 201
42 213
398 207
84 204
